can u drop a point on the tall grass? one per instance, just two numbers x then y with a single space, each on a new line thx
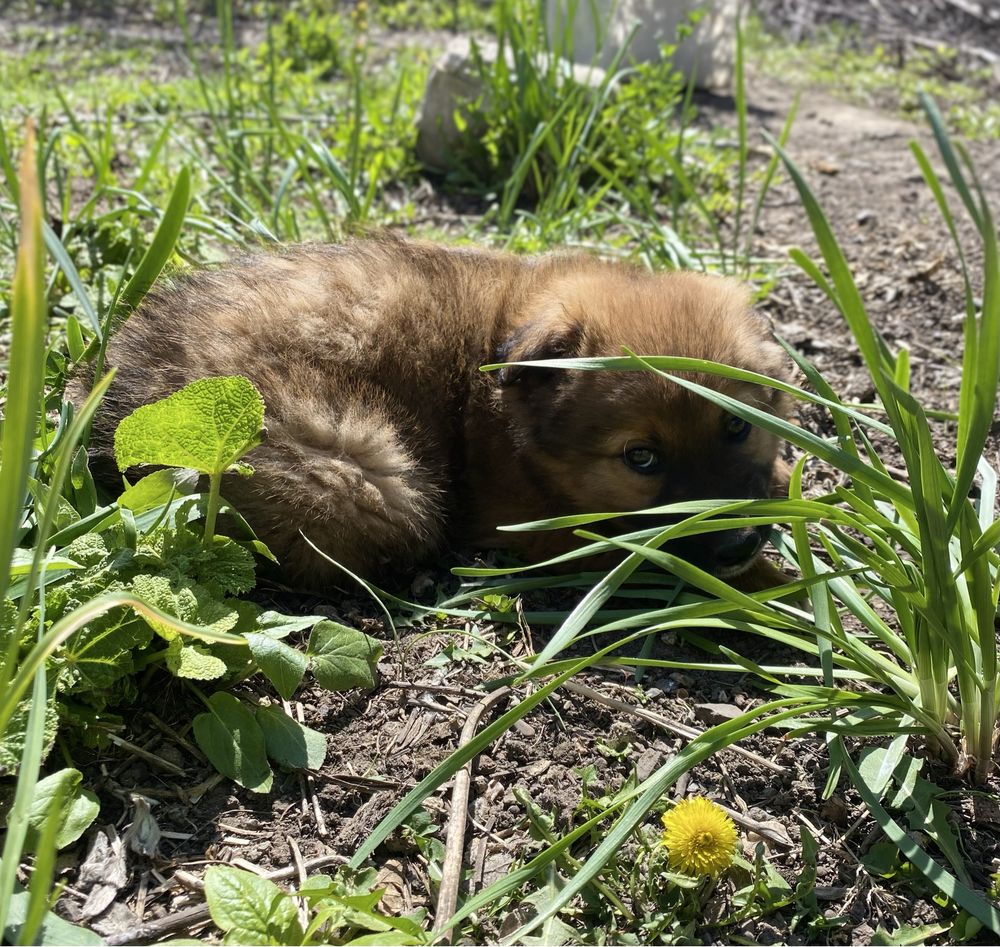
24 401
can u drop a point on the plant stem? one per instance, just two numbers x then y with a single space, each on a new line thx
215 484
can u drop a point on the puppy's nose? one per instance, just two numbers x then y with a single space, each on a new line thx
736 547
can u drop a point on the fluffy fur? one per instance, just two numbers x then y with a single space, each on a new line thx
384 442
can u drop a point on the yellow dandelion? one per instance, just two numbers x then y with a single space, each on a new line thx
699 836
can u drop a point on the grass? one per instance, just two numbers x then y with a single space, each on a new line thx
308 133
869 72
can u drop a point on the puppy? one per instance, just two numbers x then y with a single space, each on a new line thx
385 443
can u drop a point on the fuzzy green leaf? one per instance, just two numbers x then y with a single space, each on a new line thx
193 662
227 566
282 664
250 909
12 741
100 653
289 743
88 549
207 425
189 601
342 657
231 738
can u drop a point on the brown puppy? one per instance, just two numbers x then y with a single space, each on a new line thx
384 441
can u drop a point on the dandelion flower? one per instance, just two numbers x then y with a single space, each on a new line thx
699 836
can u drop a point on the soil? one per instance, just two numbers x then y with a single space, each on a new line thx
382 743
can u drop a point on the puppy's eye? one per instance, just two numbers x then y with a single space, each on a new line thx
736 428
642 459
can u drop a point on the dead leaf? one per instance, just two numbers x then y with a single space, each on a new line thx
143 835
104 872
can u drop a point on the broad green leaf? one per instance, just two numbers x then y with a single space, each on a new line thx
878 765
207 425
905 936
80 806
342 657
283 665
88 549
54 932
276 625
927 812
226 566
881 859
64 513
158 488
289 743
250 909
229 735
193 661
22 558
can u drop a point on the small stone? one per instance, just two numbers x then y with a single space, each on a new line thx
866 217
648 763
712 714
826 167
835 810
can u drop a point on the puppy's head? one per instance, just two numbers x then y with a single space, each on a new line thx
620 441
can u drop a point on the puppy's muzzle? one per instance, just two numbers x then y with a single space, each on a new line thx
726 553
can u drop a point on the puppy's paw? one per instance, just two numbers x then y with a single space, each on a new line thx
763 574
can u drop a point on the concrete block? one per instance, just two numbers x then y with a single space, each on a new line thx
453 81
601 27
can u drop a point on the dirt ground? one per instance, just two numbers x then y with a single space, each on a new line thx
382 743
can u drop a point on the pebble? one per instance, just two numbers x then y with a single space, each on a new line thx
524 729
716 713
647 764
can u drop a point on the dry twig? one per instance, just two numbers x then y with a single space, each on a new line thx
451 868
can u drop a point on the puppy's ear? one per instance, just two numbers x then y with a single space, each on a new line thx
537 341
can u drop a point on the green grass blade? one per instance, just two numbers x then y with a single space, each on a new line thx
27 353
162 245
872 346
949 158
946 883
24 791
62 258
847 462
